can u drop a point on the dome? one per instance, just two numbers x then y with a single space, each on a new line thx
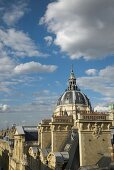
73 97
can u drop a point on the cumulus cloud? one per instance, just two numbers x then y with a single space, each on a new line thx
108 73
4 107
41 107
13 13
45 100
101 109
103 83
34 67
91 72
49 40
10 71
6 65
6 69
20 43
82 28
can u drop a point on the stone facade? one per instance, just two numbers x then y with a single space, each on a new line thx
94 137
4 157
44 134
60 132
19 158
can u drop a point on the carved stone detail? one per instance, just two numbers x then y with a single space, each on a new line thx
24 160
53 127
97 130
67 128
102 126
109 126
81 126
89 126
59 127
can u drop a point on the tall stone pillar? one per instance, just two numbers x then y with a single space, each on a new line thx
44 133
60 132
94 138
19 146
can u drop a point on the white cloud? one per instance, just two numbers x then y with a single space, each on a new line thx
13 13
4 107
45 101
41 102
41 107
101 109
20 44
49 40
91 72
34 67
4 88
58 83
103 83
13 42
6 65
108 73
82 28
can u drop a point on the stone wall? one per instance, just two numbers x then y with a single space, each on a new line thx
94 138
60 131
44 134
92 149
4 154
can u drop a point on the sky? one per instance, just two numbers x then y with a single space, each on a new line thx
39 42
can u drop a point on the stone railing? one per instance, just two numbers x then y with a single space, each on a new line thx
62 119
93 117
46 121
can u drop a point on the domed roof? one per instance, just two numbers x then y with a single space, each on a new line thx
73 95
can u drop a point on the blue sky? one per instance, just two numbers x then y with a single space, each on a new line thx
39 41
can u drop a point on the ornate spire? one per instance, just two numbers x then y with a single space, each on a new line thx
72 76
72 80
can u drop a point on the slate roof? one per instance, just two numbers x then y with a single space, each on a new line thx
30 132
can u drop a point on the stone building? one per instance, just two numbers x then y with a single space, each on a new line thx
72 100
6 143
24 138
4 154
74 137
